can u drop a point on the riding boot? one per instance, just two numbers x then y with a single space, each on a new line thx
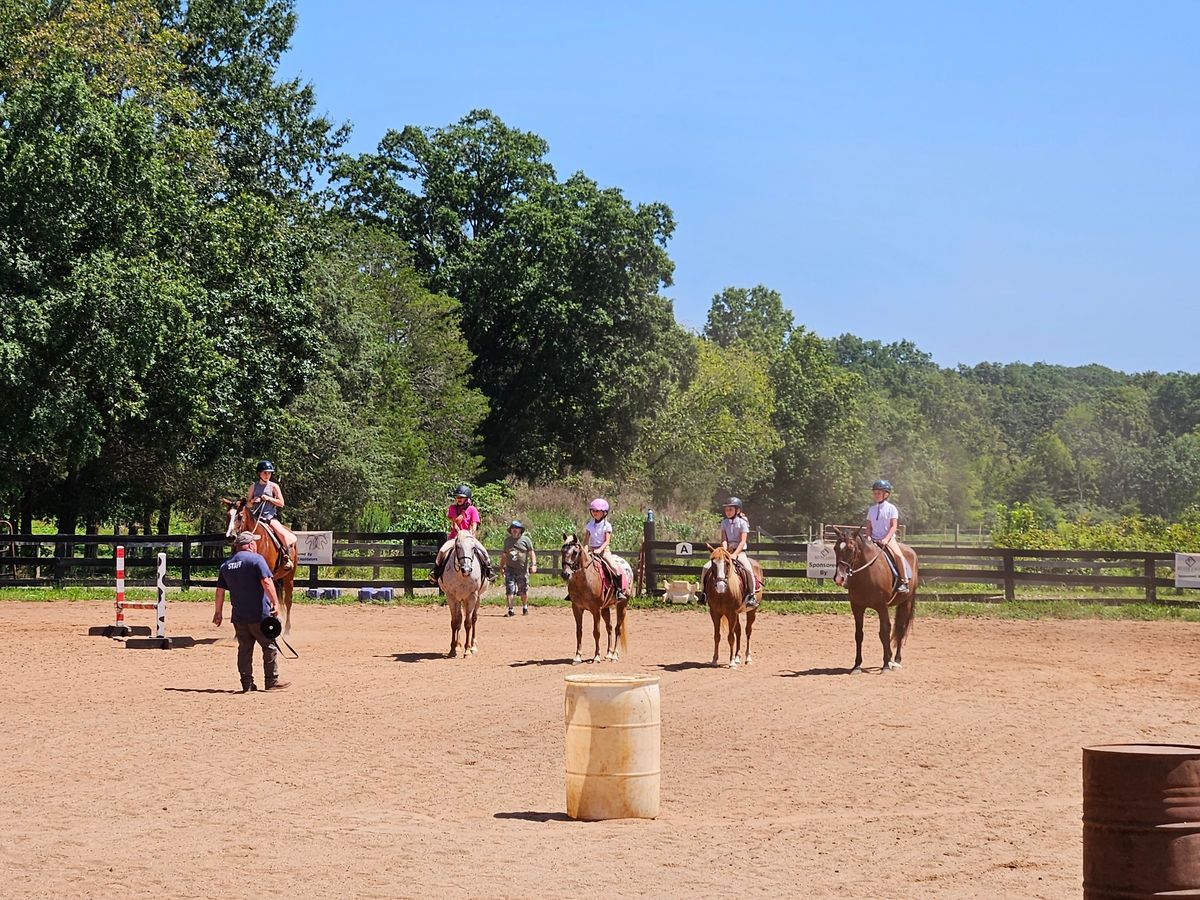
898 563
287 557
435 573
752 601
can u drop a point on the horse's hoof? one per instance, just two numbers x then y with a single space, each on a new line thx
857 670
597 659
733 664
893 665
748 660
577 661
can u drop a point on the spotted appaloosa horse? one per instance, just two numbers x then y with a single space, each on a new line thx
239 518
863 569
724 592
587 591
463 584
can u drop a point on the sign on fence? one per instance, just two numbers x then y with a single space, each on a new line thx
822 562
314 548
1187 570
683 548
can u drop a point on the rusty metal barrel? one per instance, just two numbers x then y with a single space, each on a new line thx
1141 821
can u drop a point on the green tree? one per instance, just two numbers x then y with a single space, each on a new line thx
714 436
754 317
558 282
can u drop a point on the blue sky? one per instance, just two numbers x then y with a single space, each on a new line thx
995 181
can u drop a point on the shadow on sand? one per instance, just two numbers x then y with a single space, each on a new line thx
416 657
802 673
202 690
535 816
566 661
684 666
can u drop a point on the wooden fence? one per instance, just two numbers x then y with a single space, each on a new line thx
402 559
1005 568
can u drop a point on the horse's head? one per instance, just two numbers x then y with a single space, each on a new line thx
233 515
464 552
849 548
572 556
722 563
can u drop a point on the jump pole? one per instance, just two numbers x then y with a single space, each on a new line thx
160 639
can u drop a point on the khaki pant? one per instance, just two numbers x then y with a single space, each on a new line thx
893 546
247 636
616 564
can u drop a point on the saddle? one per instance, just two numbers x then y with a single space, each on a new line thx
750 584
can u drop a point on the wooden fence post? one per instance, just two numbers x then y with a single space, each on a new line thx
408 567
185 570
1151 574
1009 582
648 544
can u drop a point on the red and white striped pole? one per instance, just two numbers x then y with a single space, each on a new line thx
121 589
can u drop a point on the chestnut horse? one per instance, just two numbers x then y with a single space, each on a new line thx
239 518
587 592
724 592
862 568
463 584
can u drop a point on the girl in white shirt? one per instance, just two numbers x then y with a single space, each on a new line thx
599 533
734 534
883 519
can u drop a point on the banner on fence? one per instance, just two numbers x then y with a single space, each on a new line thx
822 563
314 548
1187 570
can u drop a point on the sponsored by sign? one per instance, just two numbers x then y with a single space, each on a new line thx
1187 570
314 548
822 562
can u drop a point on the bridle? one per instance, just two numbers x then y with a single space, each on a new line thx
574 550
464 561
844 565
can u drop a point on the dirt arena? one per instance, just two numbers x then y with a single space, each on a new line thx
390 771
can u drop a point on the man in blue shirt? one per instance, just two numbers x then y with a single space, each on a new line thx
252 595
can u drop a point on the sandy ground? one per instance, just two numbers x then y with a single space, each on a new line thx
391 771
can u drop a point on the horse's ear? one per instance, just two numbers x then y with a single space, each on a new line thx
862 530
710 547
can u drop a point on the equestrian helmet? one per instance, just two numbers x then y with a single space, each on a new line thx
516 523
735 502
462 491
882 485
598 504
265 465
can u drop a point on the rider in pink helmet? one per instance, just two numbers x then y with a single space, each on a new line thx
599 532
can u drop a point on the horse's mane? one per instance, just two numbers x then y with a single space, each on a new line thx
719 552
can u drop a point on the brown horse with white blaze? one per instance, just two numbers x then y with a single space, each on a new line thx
239 518
587 591
862 568
725 594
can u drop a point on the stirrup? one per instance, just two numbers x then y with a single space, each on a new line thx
902 587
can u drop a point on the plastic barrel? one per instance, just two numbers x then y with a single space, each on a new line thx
1141 821
614 744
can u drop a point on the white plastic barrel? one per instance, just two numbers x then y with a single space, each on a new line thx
614 744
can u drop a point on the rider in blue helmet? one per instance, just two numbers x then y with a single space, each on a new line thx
883 519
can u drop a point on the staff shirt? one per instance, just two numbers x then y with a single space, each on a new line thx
242 576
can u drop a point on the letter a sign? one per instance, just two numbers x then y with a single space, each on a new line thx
683 548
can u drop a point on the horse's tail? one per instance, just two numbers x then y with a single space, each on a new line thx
906 612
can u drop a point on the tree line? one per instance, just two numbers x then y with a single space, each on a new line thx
195 275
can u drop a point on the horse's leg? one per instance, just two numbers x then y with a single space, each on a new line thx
619 636
596 634
288 584
885 636
455 623
735 634
716 620
858 637
578 610
469 630
749 627
608 647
